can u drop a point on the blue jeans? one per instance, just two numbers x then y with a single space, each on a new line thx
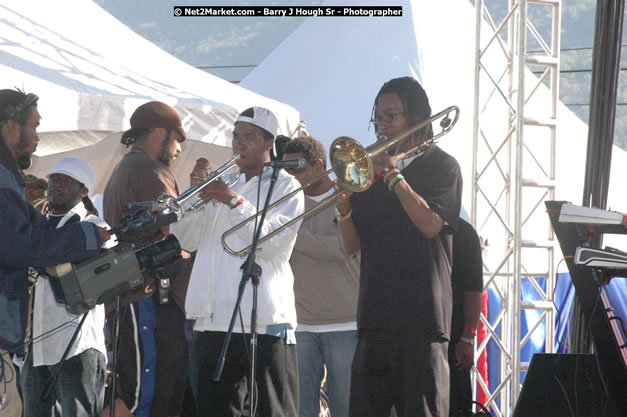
78 391
336 350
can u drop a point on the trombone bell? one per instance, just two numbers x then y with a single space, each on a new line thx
350 163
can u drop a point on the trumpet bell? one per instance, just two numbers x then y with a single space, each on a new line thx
351 164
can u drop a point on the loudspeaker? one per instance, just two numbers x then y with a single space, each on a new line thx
565 384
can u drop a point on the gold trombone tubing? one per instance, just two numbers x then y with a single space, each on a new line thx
238 226
353 168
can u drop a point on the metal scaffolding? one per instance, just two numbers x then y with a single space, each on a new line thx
513 174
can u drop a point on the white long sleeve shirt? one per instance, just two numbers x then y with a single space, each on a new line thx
216 274
48 314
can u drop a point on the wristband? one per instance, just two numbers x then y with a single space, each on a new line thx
384 173
470 330
341 217
390 175
236 201
395 181
468 340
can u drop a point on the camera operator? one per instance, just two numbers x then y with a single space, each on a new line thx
79 388
149 329
26 238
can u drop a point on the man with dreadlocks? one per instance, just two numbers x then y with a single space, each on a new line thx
26 238
402 226
79 387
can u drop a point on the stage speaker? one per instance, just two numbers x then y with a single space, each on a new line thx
566 385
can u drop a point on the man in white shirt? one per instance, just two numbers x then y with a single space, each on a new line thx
79 388
215 279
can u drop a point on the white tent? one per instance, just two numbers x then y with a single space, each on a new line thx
91 72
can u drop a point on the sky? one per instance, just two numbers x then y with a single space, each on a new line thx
230 47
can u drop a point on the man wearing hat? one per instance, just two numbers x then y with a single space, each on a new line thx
35 188
27 239
79 388
216 275
152 360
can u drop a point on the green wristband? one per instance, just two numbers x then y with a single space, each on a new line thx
395 181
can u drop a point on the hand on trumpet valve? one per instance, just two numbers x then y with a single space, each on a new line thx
200 170
217 190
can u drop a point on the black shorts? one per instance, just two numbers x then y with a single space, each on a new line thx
152 361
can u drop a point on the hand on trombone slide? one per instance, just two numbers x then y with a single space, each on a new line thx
343 203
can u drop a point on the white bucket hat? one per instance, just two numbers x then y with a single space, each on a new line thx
78 169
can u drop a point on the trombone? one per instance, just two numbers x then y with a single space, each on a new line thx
353 167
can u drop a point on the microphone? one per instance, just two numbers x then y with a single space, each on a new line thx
287 163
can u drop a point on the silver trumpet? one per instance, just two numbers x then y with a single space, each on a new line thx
167 204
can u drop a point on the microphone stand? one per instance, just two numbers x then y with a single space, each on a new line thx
251 270
53 378
114 362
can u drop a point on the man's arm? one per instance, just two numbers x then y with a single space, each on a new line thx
29 240
349 236
464 352
426 220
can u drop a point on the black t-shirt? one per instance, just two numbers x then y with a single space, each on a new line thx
467 274
405 277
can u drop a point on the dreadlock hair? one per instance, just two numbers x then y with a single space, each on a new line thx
414 99
310 147
132 136
89 206
9 99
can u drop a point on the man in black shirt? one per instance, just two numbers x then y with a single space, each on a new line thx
467 282
404 308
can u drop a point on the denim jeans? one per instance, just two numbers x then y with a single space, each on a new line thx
336 350
78 391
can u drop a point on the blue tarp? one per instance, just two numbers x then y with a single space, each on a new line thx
564 294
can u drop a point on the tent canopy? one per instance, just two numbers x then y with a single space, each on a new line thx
91 72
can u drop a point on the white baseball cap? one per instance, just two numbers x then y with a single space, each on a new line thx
261 117
78 169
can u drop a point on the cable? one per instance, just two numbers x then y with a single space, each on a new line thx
622 325
554 375
5 380
483 409
43 335
607 394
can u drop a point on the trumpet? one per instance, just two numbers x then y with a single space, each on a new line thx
353 167
195 189
167 204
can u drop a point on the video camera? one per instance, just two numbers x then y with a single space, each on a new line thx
116 270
